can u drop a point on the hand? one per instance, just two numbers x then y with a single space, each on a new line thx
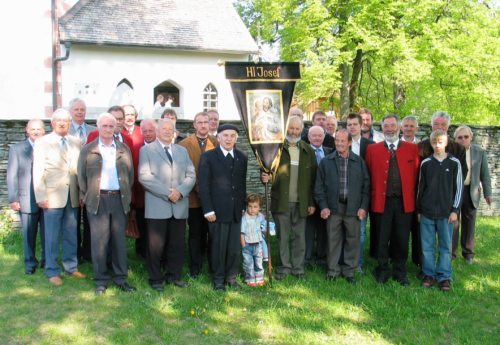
361 214
452 218
310 210
81 203
264 177
174 196
325 213
488 200
211 218
15 206
43 204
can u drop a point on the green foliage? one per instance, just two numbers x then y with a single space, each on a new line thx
418 56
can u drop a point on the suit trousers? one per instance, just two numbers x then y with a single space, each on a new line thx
165 236
292 239
343 237
393 237
316 241
29 223
83 235
467 227
141 243
225 251
198 240
107 228
60 223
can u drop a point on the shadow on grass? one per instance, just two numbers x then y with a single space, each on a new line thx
310 311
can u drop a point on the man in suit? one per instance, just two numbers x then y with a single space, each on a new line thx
170 114
477 178
120 133
22 195
367 130
409 127
319 119
331 125
105 176
196 144
358 146
167 175
222 182
292 199
393 165
133 131
342 191
213 122
80 129
55 184
316 241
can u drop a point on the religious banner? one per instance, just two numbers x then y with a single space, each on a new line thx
263 94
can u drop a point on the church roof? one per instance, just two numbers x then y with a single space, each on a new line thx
200 25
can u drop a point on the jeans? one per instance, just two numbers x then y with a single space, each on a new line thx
60 222
428 229
252 263
362 236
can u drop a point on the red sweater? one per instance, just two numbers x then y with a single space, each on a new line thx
377 160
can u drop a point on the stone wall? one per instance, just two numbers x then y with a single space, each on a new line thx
12 131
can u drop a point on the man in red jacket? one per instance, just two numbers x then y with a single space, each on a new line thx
393 166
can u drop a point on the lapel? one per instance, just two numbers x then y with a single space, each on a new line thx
161 152
27 151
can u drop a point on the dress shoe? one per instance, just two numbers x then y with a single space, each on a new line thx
100 290
299 276
469 261
219 287
331 277
234 285
30 271
280 276
350 280
125 287
56 280
403 281
42 264
77 275
178 283
157 287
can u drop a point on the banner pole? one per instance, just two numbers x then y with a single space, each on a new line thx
268 237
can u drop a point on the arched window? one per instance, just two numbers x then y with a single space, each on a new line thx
210 97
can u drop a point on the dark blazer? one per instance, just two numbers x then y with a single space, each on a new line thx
363 144
19 178
326 191
221 190
89 174
479 175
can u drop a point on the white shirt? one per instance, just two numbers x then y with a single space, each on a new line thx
109 174
356 145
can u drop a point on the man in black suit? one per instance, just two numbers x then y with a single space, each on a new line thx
22 196
358 146
316 226
319 119
222 184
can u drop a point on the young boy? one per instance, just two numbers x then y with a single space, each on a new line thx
438 202
251 238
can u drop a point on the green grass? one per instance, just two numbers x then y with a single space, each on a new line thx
312 311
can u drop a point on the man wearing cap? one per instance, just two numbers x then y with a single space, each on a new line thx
222 184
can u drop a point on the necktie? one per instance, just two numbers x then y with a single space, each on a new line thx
80 134
169 156
64 148
391 147
318 156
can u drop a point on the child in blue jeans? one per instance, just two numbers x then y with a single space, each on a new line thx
438 203
251 241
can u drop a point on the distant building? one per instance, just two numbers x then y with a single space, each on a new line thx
121 52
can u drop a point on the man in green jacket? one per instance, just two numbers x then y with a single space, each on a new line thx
292 198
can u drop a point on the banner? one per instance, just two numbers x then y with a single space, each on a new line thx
263 94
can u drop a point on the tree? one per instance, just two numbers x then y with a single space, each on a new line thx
395 56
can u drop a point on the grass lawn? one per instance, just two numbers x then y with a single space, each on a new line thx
311 311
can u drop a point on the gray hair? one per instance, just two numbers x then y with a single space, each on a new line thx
410 118
461 128
61 113
442 114
314 128
76 100
298 119
391 116
103 116
147 121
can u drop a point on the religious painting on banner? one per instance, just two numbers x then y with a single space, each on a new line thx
263 93
265 116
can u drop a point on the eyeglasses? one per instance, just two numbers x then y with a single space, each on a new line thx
460 137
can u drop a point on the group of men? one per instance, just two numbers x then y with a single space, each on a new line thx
328 182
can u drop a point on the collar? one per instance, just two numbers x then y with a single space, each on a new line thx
225 152
396 143
316 148
101 144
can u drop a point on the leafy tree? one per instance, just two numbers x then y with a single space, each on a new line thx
398 56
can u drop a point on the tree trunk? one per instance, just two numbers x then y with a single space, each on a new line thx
398 96
356 71
344 91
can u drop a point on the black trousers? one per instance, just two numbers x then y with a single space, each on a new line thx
416 245
141 244
83 235
316 238
108 235
225 251
393 237
198 242
467 227
165 235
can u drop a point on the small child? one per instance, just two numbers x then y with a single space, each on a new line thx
251 238
438 203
